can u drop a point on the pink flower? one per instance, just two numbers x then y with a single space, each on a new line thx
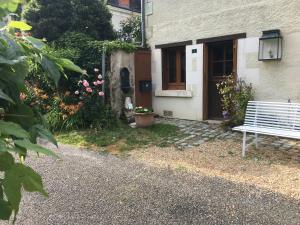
85 83
100 76
101 93
89 90
76 92
100 82
95 83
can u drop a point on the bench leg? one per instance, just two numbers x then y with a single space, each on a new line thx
256 140
244 144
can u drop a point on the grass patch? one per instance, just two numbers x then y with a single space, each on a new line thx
121 139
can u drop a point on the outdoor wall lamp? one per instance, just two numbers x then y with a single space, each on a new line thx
270 46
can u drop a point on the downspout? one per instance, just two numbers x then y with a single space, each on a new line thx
103 72
143 18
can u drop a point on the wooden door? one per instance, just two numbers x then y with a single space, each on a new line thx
219 62
142 62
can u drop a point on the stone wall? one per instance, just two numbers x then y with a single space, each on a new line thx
119 60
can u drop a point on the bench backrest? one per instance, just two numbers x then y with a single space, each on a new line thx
274 115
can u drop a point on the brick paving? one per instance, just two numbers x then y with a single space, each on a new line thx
195 133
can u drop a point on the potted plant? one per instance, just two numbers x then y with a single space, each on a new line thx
144 117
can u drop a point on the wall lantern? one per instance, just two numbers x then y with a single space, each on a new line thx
270 46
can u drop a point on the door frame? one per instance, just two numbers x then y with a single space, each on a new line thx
206 43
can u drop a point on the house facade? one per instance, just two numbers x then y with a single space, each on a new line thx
195 42
123 9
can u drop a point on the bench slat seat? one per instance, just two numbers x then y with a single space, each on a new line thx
268 131
271 118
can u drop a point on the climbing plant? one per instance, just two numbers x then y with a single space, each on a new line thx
20 124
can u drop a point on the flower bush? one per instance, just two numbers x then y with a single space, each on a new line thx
226 89
235 96
144 110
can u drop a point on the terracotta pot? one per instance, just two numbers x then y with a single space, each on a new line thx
144 119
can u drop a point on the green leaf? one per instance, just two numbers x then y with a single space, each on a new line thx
51 69
6 161
37 43
13 129
5 97
23 115
19 25
1 191
4 60
5 210
32 181
12 188
27 177
69 65
42 132
33 147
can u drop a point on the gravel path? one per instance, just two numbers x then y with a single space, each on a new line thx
87 188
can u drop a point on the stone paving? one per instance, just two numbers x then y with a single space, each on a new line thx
195 133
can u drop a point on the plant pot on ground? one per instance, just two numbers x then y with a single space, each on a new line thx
144 117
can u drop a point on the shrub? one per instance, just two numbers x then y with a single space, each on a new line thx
93 18
49 19
130 30
235 96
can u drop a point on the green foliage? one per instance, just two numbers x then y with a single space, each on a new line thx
88 50
93 18
20 124
143 110
7 6
235 96
51 19
130 30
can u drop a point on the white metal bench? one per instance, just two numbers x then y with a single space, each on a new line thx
271 118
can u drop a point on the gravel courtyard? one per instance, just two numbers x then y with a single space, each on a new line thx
88 188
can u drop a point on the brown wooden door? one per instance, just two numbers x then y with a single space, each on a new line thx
220 61
142 62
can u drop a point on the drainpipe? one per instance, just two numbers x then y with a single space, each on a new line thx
103 71
143 45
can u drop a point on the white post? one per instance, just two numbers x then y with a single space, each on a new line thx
244 144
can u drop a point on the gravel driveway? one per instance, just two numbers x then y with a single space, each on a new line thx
87 188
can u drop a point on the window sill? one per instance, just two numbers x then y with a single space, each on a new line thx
174 93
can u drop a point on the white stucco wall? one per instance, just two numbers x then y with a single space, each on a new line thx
175 21
183 104
118 15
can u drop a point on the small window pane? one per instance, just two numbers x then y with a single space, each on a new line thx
229 52
218 52
229 68
218 69
172 66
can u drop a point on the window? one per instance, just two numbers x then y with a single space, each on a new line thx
221 59
174 68
134 5
124 3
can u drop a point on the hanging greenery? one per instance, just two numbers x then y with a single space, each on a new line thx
20 124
